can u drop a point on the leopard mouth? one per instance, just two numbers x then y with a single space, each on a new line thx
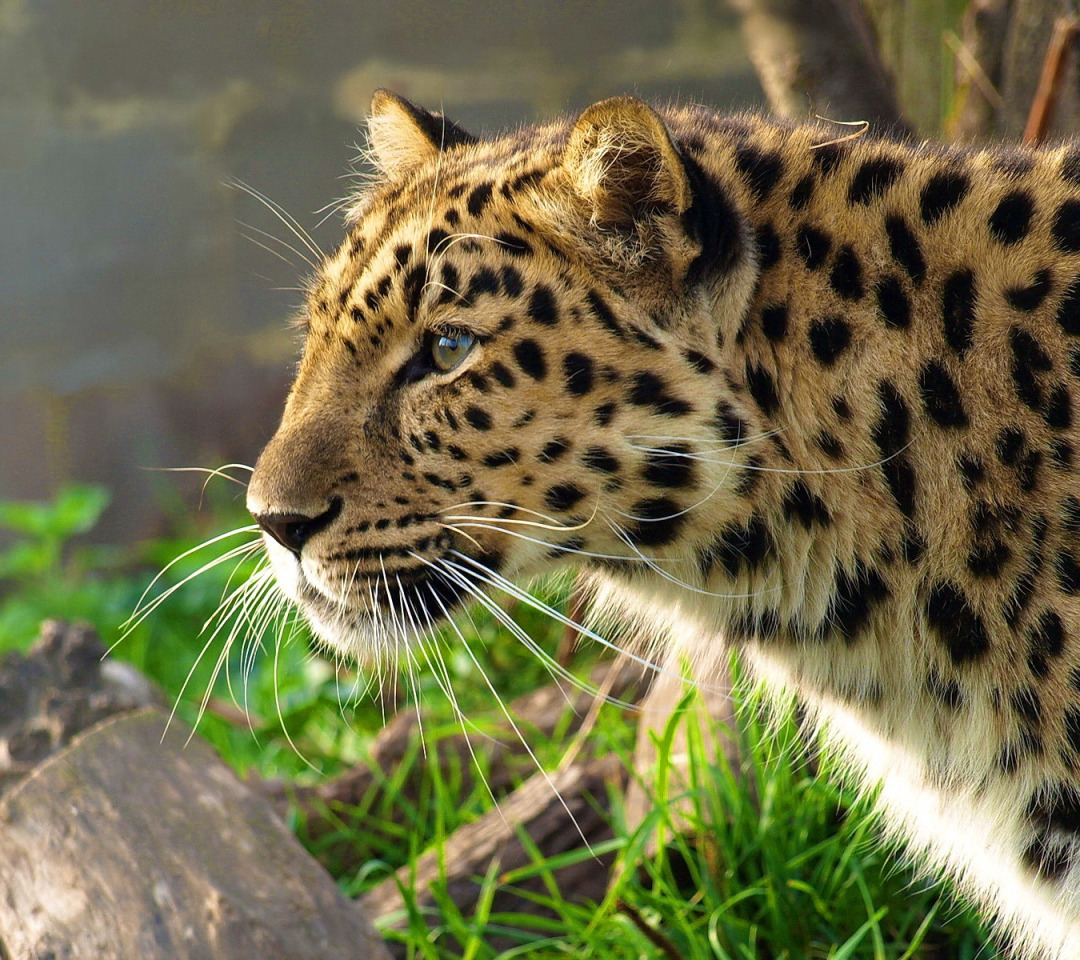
387 611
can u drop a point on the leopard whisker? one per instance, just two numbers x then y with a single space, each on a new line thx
517 730
761 468
493 579
143 609
650 562
279 640
551 524
494 527
554 668
282 243
456 529
294 226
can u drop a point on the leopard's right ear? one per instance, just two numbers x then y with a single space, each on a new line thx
403 135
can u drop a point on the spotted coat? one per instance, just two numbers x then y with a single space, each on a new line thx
806 395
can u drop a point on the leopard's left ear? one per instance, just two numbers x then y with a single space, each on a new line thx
624 164
403 135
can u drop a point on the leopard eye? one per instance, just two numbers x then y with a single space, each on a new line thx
448 350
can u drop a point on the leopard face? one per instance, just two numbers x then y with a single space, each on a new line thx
484 394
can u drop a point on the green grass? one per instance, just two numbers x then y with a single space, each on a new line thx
795 873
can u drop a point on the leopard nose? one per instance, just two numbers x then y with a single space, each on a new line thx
293 530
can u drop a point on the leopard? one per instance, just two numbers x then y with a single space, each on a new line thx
775 390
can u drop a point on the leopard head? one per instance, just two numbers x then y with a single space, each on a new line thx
511 363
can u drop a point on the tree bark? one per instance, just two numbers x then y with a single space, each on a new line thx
818 57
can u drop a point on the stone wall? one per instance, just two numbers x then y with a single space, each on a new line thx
139 325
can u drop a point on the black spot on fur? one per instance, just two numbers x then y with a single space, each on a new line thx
873 178
768 246
672 467
477 418
1010 443
827 157
649 390
1070 166
812 246
578 371
971 470
1061 453
1058 410
846 275
600 459
1070 514
603 313
941 193
960 628
774 322
530 357
913 546
802 504
1065 230
802 193
1027 705
479 198
1068 312
855 595
891 433
485 280
1071 721
542 308
892 301
1011 219
829 337
986 558
829 445
904 246
1027 470
1055 816
701 363
513 244
604 414
958 299
947 692
502 458
762 387
657 521
1030 297
760 169
940 396
553 449
502 374
1046 641
1068 572
841 408
413 286
563 496
1029 359
740 546
729 425
511 281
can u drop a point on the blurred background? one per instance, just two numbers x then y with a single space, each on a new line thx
143 321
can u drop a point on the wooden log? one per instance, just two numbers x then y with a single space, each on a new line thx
124 846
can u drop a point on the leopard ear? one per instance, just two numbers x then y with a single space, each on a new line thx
624 164
404 135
